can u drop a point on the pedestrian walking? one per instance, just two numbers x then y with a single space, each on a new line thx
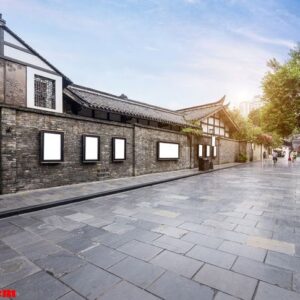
275 157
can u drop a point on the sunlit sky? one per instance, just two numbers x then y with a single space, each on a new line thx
171 53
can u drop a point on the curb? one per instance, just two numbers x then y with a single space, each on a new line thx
37 207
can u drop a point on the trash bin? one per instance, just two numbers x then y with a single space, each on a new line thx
204 164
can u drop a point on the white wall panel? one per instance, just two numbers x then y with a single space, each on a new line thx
30 89
10 39
25 57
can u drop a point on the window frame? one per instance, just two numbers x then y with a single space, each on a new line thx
167 158
114 149
42 147
53 92
84 160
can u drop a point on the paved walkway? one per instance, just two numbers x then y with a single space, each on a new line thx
41 197
226 235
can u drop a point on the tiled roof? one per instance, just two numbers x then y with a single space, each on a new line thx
100 100
202 111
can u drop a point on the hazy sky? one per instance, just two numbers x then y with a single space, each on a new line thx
172 53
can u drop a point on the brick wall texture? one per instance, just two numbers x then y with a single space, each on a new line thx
20 150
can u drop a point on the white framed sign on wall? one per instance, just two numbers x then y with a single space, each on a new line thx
214 151
90 148
208 153
200 151
51 146
213 141
118 149
167 151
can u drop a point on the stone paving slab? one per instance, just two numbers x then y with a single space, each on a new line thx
227 281
176 240
27 199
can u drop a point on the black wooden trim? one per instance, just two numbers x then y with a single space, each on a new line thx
28 65
158 151
42 160
84 136
113 149
18 48
1 41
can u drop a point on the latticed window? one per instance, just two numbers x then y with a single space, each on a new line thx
44 92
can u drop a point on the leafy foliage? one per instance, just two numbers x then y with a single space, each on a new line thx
195 128
251 130
281 93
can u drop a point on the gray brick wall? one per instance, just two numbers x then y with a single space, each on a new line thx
21 169
20 150
228 150
146 150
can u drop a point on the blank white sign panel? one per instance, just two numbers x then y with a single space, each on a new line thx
167 150
91 148
207 150
213 140
119 149
52 146
200 150
215 151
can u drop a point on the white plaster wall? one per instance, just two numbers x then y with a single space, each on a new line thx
30 89
25 57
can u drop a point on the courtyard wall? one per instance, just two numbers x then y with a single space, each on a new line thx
21 168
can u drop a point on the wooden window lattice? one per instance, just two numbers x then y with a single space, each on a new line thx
44 92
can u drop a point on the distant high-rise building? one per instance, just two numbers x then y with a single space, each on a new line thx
247 106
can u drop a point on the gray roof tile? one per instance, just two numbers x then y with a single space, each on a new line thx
112 103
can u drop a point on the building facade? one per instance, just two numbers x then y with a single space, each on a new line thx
54 132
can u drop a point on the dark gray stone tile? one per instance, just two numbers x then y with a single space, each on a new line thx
20 239
23 221
227 281
39 286
57 235
88 232
60 263
39 250
71 296
177 263
243 250
203 240
90 281
59 222
216 232
6 253
137 271
222 296
77 243
172 244
283 261
7 229
170 231
253 231
296 282
174 287
127 291
15 269
212 256
267 291
263 272
103 256
140 250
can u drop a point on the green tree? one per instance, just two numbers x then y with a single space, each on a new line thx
255 116
281 93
